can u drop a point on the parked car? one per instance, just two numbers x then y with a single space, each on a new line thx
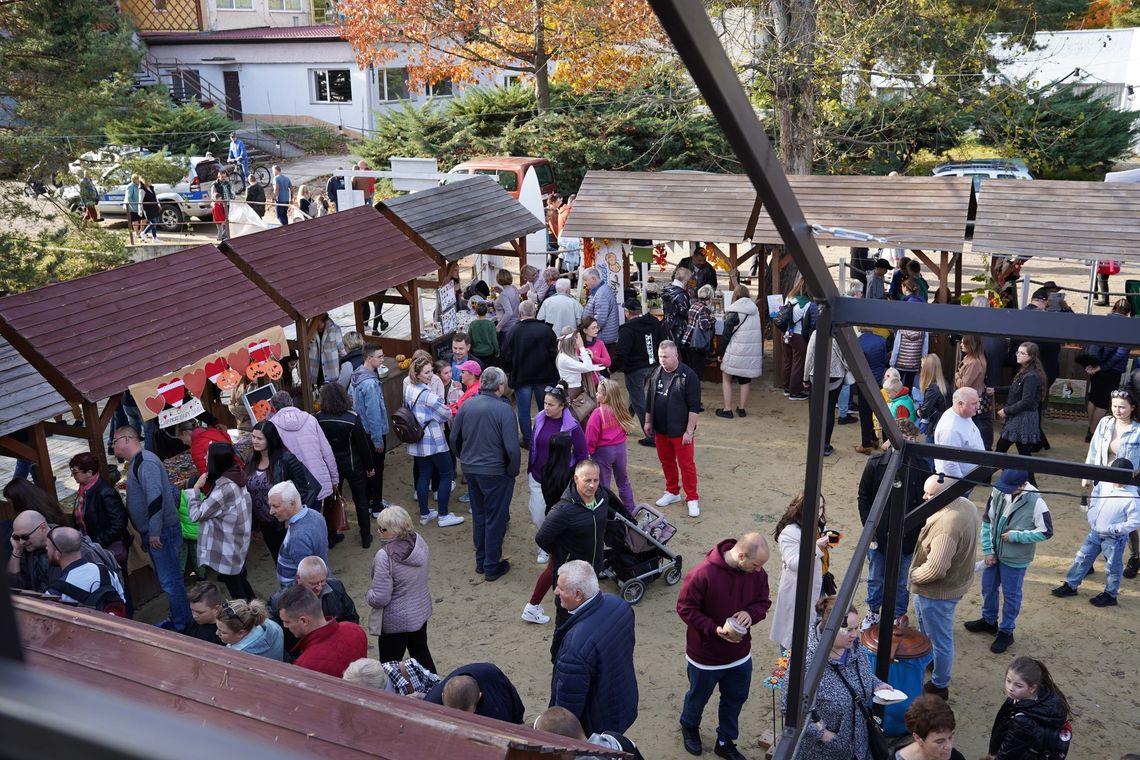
510 171
189 198
992 168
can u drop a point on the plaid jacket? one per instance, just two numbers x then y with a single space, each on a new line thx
326 351
699 315
224 518
409 677
432 413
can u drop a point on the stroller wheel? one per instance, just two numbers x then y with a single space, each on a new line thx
672 576
633 591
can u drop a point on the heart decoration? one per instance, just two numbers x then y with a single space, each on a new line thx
173 391
239 359
155 403
275 351
195 381
259 351
215 367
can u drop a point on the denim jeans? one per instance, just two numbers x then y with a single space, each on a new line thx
936 620
439 462
490 508
635 386
169 572
734 684
845 399
523 396
1099 543
1001 577
877 573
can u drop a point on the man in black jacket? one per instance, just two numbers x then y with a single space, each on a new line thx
575 528
529 351
313 574
671 417
479 688
636 356
873 473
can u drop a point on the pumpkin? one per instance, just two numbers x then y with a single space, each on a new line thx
273 369
228 379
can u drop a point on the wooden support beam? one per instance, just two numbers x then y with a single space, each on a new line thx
45 477
305 370
94 432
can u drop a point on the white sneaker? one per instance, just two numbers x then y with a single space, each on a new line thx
425 519
533 613
694 508
450 519
870 620
668 498
543 557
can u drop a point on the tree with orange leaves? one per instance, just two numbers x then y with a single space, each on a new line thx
594 43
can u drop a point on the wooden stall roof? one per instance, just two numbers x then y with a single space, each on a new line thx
461 218
27 397
317 265
663 206
908 212
1074 220
93 336
282 705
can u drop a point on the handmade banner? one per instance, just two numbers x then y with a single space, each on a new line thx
254 358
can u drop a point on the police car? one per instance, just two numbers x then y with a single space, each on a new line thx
189 198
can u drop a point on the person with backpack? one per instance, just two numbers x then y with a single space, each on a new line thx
796 320
82 581
697 335
675 304
1016 519
1034 720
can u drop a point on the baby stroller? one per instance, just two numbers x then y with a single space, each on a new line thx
635 551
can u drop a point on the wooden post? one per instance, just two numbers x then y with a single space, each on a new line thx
306 373
45 476
958 275
95 432
733 263
944 278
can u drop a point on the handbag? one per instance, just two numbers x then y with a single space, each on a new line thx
584 404
876 739
986 403
334 510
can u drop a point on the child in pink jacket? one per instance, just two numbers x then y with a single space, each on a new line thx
605 438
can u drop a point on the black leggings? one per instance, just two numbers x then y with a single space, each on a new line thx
1003 445
237 584
391 646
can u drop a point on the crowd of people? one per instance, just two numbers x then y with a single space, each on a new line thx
456 416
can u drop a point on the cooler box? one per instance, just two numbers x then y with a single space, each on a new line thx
912 653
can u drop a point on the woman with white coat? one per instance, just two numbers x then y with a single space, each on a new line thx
741 350
787 535
573 360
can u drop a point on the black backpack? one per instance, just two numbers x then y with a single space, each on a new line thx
104 598
405 424
784 317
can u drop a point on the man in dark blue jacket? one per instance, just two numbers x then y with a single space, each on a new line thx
480 688
484 436
592 652
529 351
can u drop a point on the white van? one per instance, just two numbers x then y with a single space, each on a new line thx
992 168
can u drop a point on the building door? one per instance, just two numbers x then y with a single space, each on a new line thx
233 94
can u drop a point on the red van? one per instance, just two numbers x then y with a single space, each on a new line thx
510 170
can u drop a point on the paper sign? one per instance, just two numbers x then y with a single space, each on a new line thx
775 302
183 412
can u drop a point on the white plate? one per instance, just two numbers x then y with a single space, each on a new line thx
890 697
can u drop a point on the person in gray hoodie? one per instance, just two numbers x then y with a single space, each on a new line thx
368 402
152 505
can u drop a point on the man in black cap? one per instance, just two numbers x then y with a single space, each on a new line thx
636 356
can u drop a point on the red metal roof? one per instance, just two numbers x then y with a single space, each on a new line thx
326 32
93 336
319 264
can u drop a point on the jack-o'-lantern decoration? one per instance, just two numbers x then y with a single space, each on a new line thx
273 369
261 410
227 379
255 371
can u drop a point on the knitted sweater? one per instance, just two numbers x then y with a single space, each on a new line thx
944 557
306 535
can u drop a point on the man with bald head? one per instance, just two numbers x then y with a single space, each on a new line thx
479 688
81 581
941 574
722 597
956 428
30 567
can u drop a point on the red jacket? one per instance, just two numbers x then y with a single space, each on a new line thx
200 440
331 648
712 592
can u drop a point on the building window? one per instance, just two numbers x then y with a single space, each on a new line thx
332 86
234 5
393 84
512 80
440 89
285 5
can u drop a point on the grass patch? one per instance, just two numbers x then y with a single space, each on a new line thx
308 138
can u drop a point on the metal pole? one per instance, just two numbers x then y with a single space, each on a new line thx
895 531
813 481
1092 287
842 274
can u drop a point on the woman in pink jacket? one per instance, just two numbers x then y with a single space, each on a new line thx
605 438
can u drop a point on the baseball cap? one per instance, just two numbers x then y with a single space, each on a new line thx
1011 480
471 366
882 264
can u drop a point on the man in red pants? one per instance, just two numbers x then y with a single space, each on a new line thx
673 398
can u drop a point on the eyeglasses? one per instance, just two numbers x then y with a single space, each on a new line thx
122 437
228 613
555 390
29 534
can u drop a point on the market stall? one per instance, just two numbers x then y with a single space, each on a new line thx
472 217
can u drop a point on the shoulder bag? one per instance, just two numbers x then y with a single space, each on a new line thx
876 739
584 404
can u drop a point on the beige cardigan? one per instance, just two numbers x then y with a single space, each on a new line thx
944 558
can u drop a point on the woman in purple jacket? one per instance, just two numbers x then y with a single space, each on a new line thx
554 418
399 595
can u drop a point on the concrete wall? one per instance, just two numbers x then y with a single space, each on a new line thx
260 15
